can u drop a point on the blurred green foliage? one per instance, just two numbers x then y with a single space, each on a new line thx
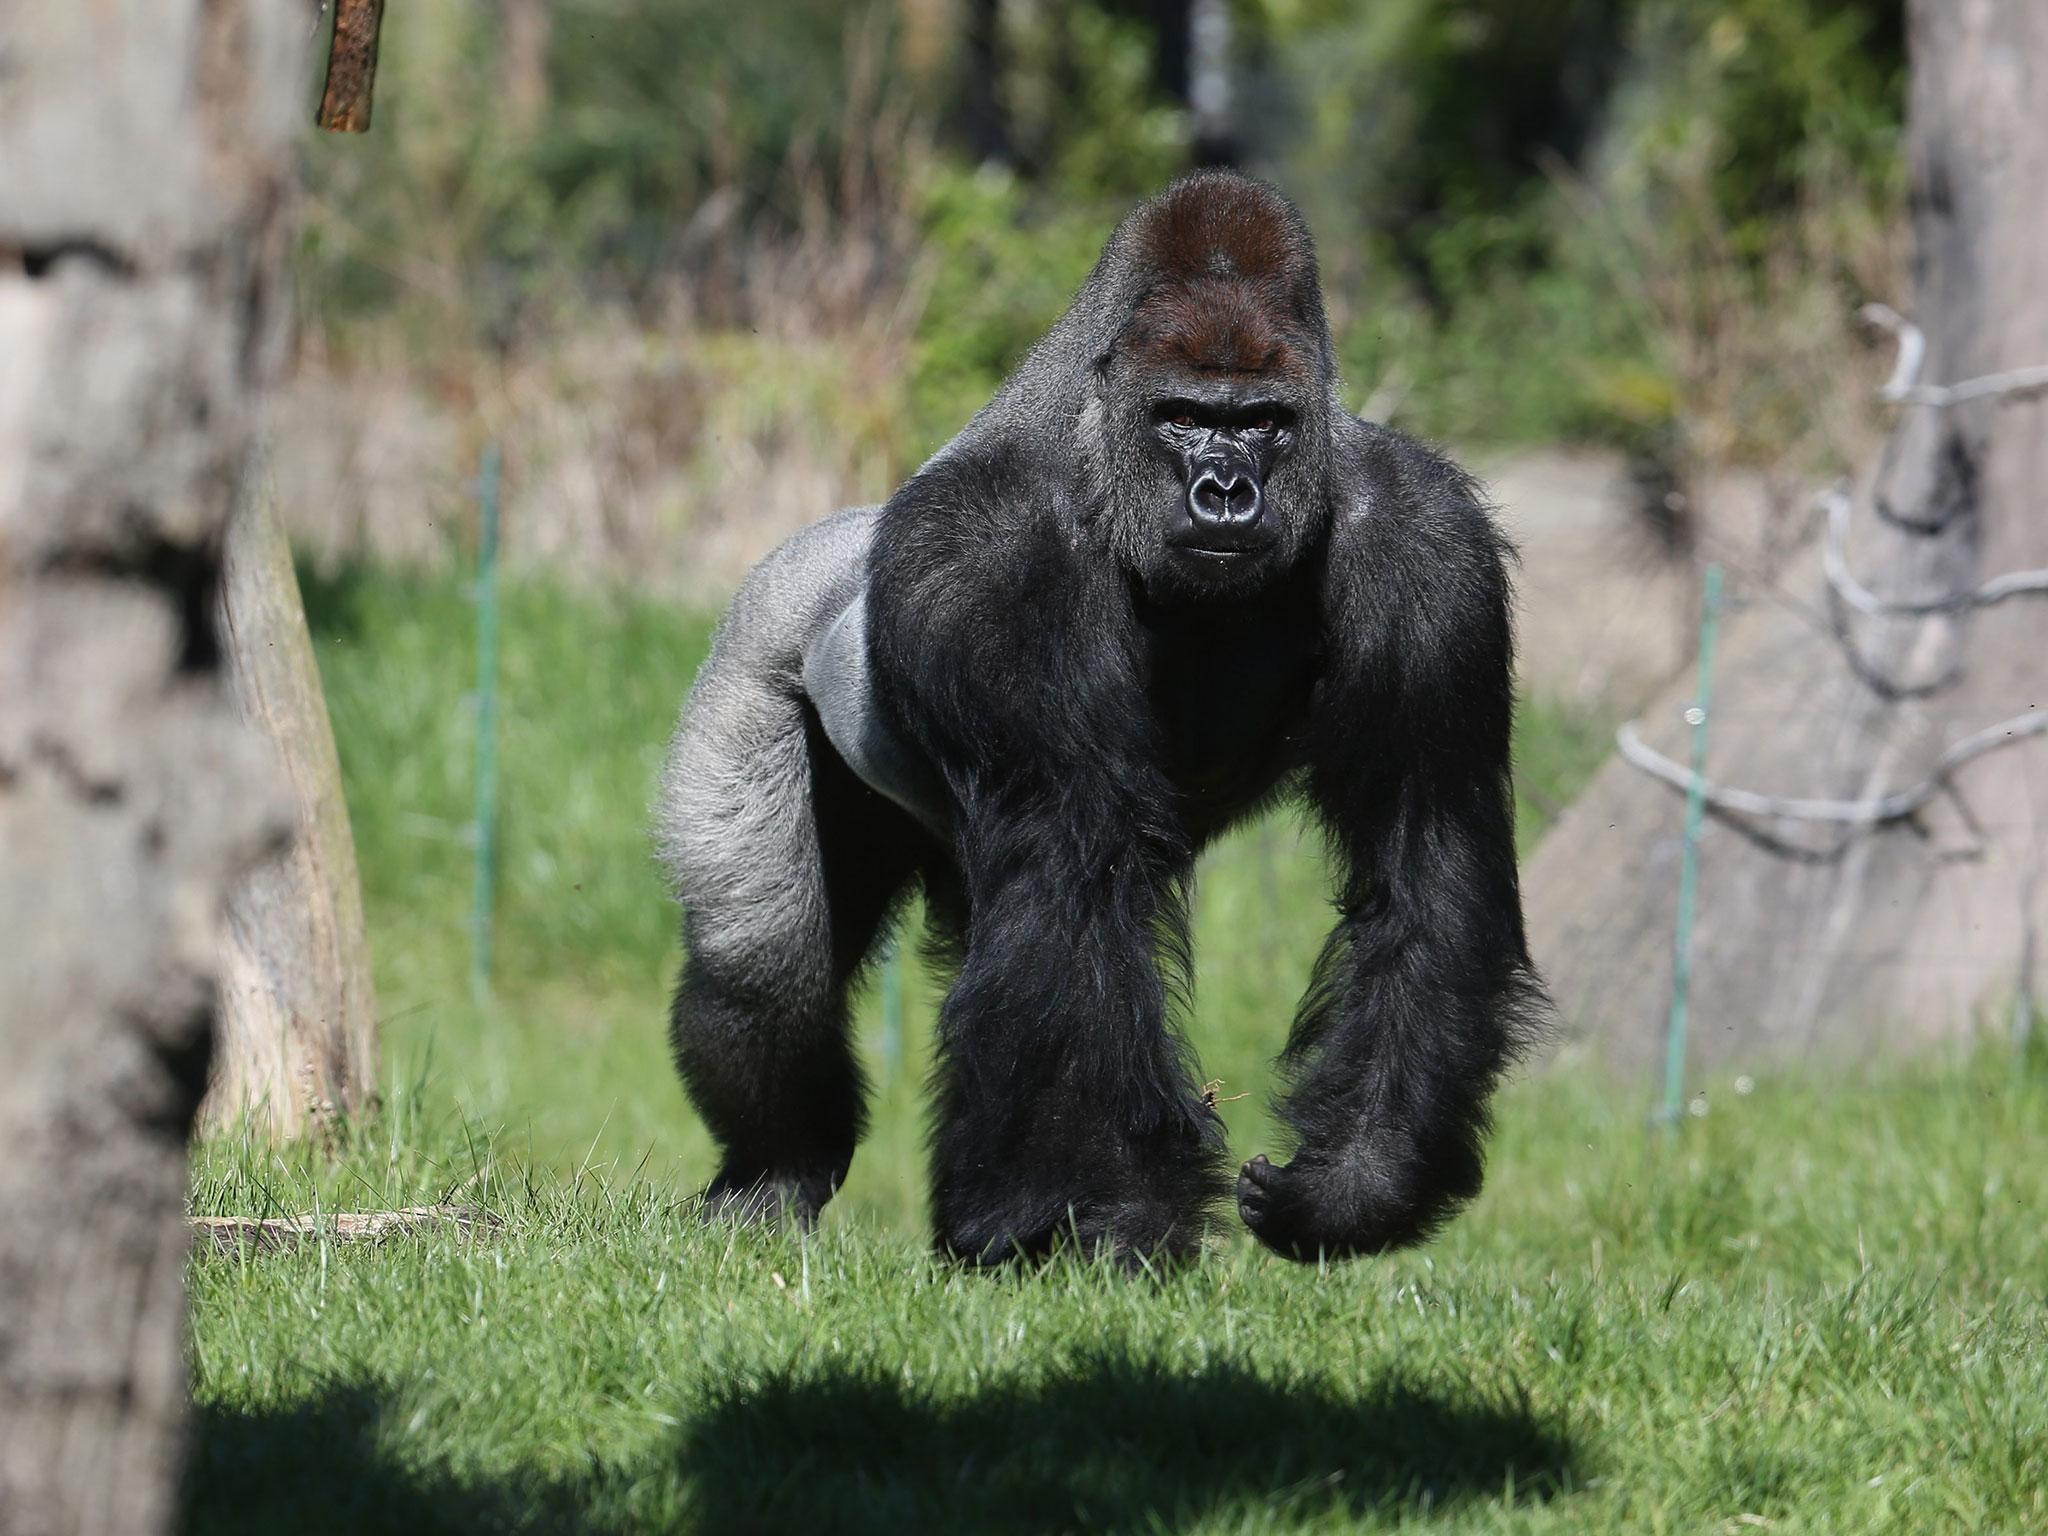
659 125
1003 268
1408 118
1538 212
1540 219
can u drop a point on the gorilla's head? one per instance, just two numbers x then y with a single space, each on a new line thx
1209 429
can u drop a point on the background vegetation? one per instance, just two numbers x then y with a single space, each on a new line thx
824 233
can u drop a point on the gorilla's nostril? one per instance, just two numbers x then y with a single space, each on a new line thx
1225 498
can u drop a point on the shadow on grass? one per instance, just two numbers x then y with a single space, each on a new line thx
1116 1446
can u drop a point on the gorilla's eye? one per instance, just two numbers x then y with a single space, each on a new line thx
1265 426
1183 419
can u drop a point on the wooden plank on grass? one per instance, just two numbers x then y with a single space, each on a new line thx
231 1234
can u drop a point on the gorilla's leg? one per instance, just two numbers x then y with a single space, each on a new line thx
1066 1108
787 866
760 1021
1065 1103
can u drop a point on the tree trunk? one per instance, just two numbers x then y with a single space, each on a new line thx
297 1033
526 30
144 221
985 116
1910 932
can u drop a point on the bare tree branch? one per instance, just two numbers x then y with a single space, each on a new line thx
1896 806
1904 386
1834 561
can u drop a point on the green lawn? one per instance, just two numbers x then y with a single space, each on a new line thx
1824 1306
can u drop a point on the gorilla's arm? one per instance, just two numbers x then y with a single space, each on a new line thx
1424 988
1008 658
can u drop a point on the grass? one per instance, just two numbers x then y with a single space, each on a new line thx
1821 1307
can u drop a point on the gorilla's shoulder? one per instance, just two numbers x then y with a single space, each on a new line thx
978 472
982 503
1391 486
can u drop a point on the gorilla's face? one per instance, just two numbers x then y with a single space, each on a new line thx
1222 445
1211 492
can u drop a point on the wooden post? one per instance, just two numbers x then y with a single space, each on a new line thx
298 1020
351 66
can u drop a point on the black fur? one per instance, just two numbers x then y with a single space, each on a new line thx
1099 701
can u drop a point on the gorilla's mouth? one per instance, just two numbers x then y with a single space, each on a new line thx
1221 549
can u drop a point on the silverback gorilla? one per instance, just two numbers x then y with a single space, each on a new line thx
1161 578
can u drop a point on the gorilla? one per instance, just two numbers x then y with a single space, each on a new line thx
1160 579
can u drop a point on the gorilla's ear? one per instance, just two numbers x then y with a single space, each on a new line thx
1091 437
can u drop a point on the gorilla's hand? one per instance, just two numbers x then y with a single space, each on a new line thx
1316 1208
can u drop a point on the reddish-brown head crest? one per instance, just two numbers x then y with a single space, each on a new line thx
1236 288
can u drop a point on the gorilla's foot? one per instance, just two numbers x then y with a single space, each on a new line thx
768 1198
1331 1211
1134 1234
1138 1212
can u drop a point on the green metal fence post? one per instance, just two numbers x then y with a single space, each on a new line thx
484 828
1689 865
892 1007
